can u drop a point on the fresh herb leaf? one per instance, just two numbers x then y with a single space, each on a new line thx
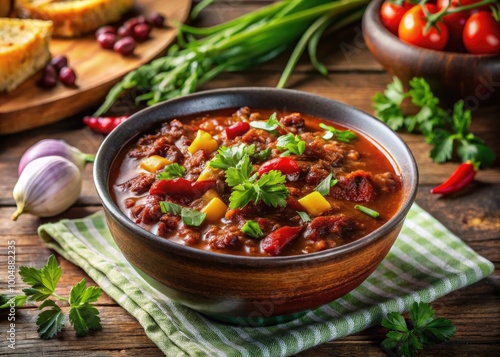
263 155
171 171
325 185
43 281
292 144
240 173
228 157
170 207
252 229
444 131
367 211
426 330
192 217
82 315
341 135
189 216
16 300
304 216
50 322
270 125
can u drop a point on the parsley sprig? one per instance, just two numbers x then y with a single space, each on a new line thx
269 125
445 131
230 156
189 216
82 315
292 144
425 330
341 135
171 171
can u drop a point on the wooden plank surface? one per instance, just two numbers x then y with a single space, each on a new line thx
473 215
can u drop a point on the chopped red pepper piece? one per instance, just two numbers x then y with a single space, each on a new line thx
104 125
181 186
237 129
275 241
286 165
460 178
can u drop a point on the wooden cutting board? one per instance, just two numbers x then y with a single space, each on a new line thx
97 71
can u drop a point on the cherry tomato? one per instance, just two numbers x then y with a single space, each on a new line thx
391 15
412 27
482 34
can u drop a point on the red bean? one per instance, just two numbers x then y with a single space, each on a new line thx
59 62
105 29
106 40
125 46
156 19
124 31
49 77
140 32
67 76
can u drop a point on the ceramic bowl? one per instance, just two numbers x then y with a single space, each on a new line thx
252 290
451 75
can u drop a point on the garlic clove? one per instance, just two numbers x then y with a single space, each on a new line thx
54 147
47 186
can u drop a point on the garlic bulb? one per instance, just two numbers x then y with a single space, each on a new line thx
47 186
53 147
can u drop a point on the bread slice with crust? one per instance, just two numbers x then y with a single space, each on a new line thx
73 18
24 50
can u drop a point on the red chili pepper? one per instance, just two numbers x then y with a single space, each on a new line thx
237 129
181 186
286 165
104 125
275 241
462 176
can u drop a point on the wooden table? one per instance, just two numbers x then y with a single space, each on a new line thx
355 76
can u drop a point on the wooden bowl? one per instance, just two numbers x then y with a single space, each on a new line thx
252 290
452 76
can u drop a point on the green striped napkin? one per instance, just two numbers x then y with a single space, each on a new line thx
426 262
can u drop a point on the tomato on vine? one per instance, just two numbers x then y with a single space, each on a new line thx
482 34
413 29
391 14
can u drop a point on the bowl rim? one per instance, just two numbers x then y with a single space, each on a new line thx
371 18
101 183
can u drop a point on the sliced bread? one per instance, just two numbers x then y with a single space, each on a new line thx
24 50
73 18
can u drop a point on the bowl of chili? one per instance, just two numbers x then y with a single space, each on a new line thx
254 205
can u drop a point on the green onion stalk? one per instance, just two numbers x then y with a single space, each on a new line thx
259 36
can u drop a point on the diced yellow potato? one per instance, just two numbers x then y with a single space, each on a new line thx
215 210
203 141
209 195
154 163
315 203
209 173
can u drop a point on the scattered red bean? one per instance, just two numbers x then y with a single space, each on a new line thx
156 19
49 77
103 125
140 32
125 46
59 62
105 29
124 31
107 40
67 76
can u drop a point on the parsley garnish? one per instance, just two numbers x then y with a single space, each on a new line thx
292 144
15 300
269 187
444 131
171 171
230 156
426 330
341 135
252 229
270 125
189 216
324 186
263 155
304 216
82 315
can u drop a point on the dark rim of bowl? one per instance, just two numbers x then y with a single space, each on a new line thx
372 17
101 181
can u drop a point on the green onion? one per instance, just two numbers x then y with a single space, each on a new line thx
367 211
203 53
